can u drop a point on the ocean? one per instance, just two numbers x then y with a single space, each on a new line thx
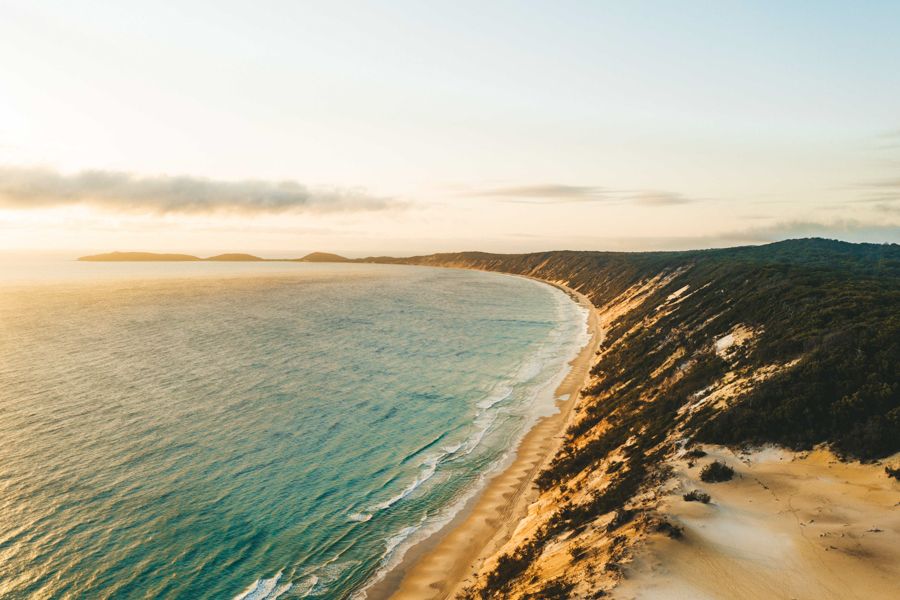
260 430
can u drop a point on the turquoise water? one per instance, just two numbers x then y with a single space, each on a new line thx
254 431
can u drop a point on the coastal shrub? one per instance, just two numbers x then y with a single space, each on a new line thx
844 391
568 462
895 473
697 496
621 517
557 589
577 553
673 531
509 567
695 453
716 472
468 593
614 466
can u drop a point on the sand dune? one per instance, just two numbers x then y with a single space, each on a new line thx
803 526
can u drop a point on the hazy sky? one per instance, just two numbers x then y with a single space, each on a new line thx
406 127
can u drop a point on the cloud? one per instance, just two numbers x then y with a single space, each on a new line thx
554 193
846 230
115 191
849 230
659 198
886 183
885 190
891 209
550 192
889 140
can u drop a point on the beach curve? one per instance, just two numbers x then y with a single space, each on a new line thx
438 566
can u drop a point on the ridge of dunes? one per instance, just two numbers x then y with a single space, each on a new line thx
753 356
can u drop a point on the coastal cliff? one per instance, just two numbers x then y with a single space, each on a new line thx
745 357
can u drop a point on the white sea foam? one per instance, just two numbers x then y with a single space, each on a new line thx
484 421
427 472
324 575
265 589
453 449
360 517
532 367
305 588
398 538
501 395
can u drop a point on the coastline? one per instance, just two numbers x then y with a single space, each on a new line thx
438 566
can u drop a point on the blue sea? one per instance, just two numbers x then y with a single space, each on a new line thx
250 431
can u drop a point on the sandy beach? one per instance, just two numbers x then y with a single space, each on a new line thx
437 567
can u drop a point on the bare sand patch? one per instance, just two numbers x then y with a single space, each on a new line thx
789 525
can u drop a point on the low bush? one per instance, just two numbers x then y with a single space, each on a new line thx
696 496
622 516
673 531
695 453
509 567
558 589
716 472
895 473
577 553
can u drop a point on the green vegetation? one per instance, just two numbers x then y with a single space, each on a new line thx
716 472
675 532
557 589
697 496
509 567
820 365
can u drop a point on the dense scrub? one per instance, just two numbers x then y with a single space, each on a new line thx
697 496
844 391
833 305
716 472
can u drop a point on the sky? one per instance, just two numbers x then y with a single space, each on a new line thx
407 127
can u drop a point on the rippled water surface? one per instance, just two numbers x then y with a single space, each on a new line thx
253 431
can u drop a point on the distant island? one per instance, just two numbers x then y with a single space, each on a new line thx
138 257
324 257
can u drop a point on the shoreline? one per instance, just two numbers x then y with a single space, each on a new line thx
438 566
